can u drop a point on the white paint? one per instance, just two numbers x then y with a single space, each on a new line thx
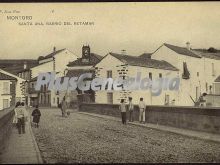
104 66
201 65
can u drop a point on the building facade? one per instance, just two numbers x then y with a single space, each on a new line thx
7 90
19 86
198 70
85 64
125 66
54 62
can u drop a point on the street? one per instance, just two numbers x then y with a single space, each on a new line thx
81 138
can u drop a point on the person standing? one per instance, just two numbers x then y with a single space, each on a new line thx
122 107
64 107
21 114
15 119
130 109
36 116
142 107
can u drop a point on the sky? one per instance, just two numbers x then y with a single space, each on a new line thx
134 27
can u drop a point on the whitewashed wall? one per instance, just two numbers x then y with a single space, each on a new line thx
2 96
101 96
62 59
201 65
42 68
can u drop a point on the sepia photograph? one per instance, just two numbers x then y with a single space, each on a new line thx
95 82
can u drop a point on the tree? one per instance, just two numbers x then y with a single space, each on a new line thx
212 50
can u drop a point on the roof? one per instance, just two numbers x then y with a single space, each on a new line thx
207 54
6 77
217 79
16 65
146 55
51 54
182 50
149 63
78 72
94 59
198 53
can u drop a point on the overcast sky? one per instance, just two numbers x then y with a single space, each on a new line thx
135 27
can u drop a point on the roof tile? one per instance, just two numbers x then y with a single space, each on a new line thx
149 63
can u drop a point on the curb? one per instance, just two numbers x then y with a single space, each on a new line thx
38 154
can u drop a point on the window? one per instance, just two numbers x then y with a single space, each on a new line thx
210 89
167 99
5 103
110 98
213 69
150 75
206 87
160 75
48 98
109 73
45 87
186 74
197 93
6 88
197 74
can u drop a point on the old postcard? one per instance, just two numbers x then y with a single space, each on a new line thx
132 82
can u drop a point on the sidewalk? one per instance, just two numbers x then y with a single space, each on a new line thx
184 132
21 149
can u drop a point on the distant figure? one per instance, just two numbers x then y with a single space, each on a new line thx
36 116
21 115
15 119
64 107
130 109
142 107
122 107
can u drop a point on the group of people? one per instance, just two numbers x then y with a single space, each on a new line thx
21 117
130 107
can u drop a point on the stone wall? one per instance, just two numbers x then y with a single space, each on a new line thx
6 117
205 119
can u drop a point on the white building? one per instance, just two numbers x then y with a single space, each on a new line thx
11 89
118 65
54 62
203 68
85 64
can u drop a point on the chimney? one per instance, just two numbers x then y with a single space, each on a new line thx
25 64
54 49
188 45
123 52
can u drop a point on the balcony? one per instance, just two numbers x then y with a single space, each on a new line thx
32 90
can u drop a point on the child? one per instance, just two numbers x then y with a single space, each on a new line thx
36 116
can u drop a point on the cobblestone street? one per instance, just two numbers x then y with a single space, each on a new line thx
86 139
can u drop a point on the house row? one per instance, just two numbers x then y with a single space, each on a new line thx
197 70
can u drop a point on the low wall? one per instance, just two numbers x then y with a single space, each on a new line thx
6 117
205 119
